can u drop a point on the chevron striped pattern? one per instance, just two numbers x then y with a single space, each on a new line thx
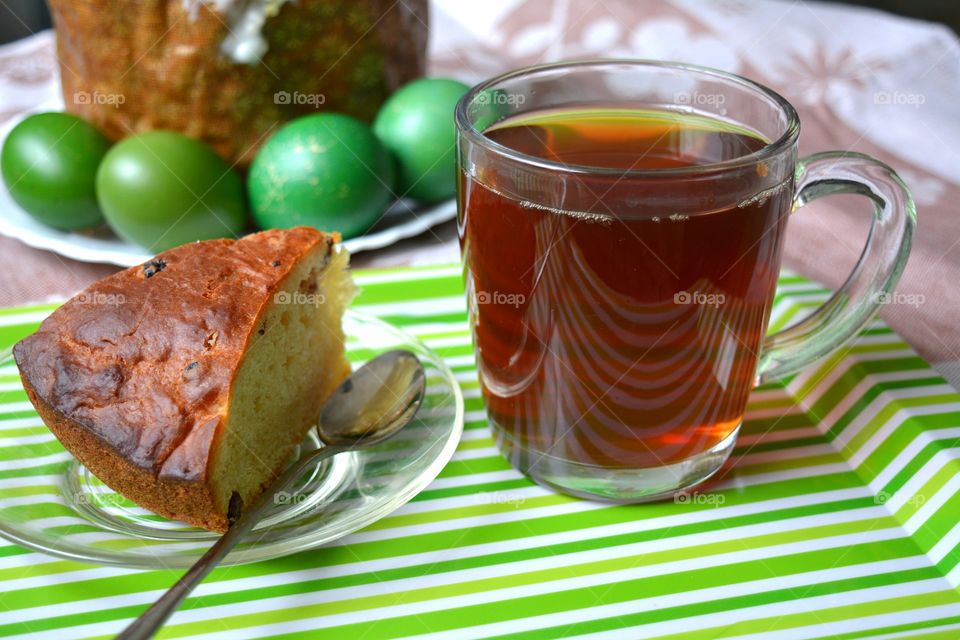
837 519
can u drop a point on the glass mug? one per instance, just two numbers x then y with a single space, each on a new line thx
621 225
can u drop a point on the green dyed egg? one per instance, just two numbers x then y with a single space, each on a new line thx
325 170
416 124
49 163
161 189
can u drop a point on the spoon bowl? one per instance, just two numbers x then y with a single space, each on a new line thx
375 402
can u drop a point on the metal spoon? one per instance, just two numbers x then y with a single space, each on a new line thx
368 407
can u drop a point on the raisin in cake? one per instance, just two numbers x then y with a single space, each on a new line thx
186 383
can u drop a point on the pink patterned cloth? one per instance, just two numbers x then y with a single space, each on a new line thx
862 81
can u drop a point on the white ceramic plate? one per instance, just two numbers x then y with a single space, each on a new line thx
403 220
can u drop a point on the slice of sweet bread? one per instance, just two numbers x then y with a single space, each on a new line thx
185 383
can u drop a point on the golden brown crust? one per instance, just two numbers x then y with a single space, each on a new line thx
191 502
133 374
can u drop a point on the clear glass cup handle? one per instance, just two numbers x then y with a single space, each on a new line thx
876 272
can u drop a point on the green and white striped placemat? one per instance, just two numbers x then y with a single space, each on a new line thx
838 520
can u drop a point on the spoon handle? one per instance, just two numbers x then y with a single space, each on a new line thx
150 620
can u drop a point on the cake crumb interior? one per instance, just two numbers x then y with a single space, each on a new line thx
293 364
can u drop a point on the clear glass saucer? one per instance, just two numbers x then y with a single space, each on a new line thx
51 503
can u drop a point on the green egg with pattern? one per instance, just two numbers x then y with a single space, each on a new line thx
324 170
